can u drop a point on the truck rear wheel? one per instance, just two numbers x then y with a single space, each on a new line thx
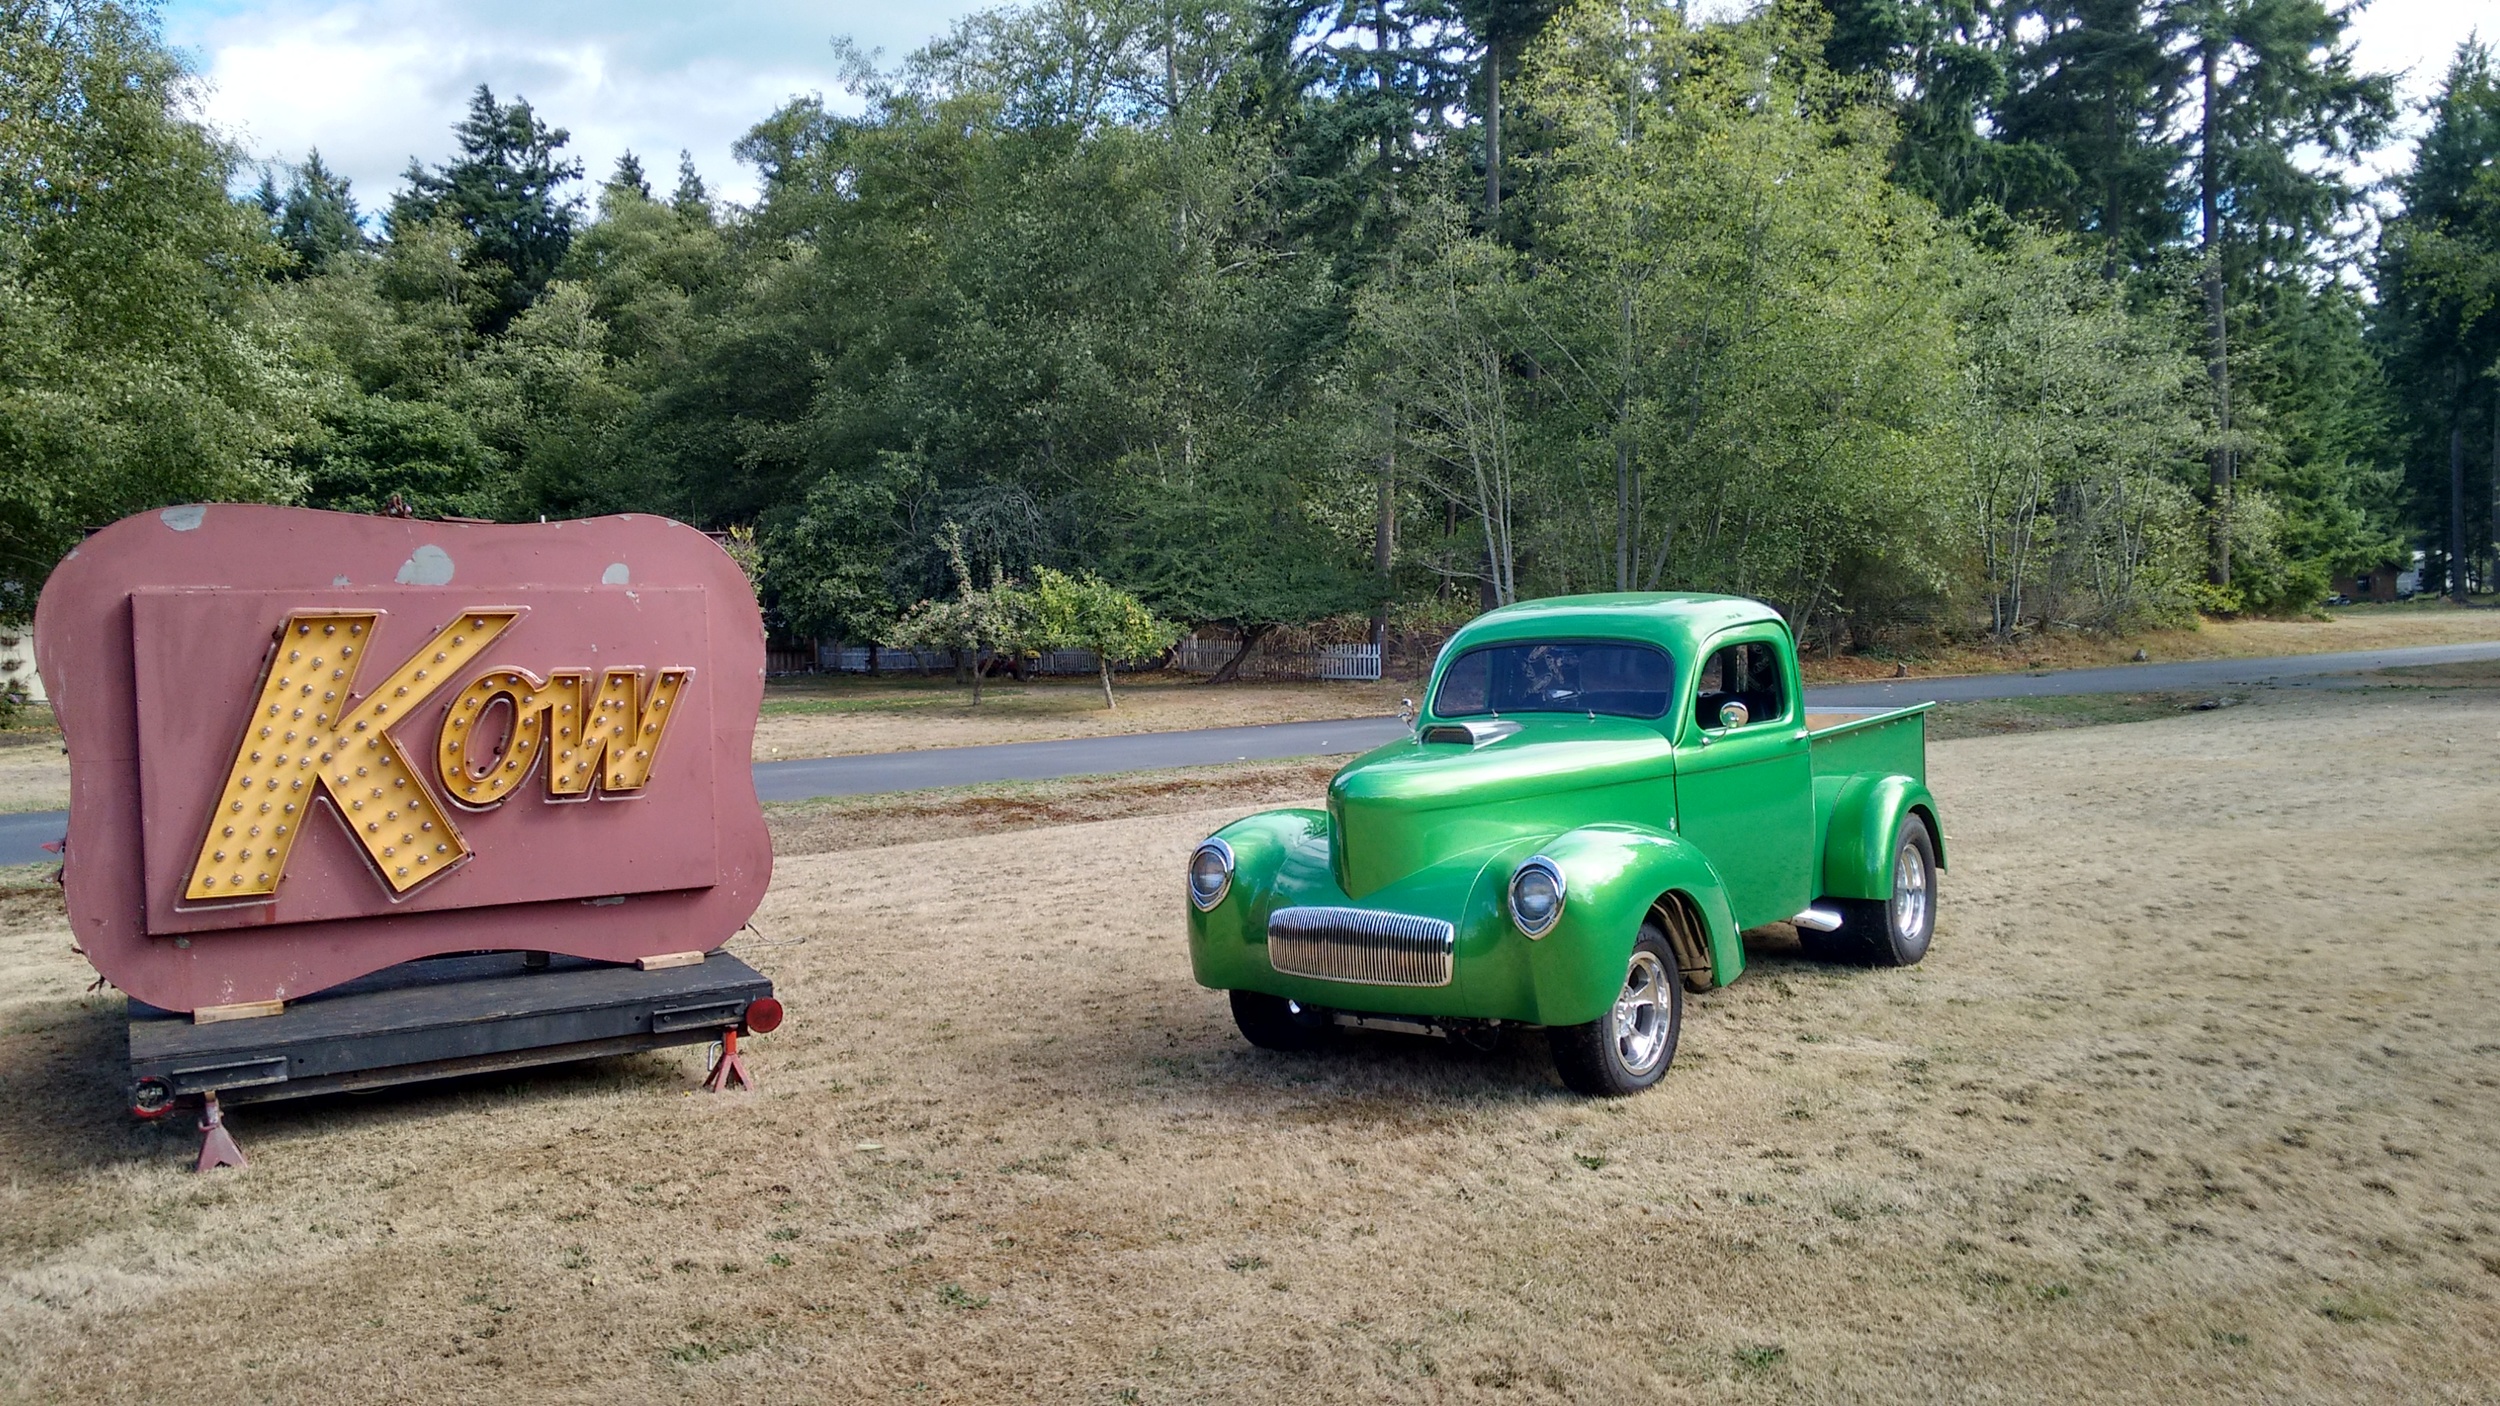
1274 1023
1890 932
1629 1047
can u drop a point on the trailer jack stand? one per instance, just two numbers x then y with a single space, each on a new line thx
731 1067
217 1147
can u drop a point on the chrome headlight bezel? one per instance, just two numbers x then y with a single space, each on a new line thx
1205 902
1536 864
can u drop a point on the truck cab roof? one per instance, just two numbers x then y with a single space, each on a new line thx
1679 622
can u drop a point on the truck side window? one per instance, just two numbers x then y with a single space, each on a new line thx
1741 673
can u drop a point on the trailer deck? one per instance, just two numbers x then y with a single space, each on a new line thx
444 1016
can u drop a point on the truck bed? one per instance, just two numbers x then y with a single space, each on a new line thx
1842 743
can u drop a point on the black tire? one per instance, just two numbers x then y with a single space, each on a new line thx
1273 1023
1631 1046
1890 932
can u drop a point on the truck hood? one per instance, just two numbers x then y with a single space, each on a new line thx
1401 807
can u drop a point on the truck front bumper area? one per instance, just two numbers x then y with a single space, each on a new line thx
1384 961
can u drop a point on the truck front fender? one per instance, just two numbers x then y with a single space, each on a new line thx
1612 876
1864 829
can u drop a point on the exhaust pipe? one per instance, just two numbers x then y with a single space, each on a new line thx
1819 919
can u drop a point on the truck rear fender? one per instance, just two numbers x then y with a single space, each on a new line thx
1864 828
1617 876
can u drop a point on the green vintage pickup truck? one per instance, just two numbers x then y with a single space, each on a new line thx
1601 795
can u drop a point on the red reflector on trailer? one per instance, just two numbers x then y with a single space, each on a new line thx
763 1016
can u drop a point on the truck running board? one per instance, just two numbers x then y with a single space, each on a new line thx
1819 919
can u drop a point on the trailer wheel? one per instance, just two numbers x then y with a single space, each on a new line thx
1274 1023
1890 932
1629 1047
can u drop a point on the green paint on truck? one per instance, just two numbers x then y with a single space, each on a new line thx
1601 794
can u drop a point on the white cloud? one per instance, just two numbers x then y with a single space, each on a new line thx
372 85
2415 39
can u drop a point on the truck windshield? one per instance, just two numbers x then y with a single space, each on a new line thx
1564 676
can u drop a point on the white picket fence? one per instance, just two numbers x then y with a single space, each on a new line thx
854 660
1331 663
1335 663
1349 663
17 664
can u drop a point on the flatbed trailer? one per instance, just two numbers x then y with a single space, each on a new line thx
438 1018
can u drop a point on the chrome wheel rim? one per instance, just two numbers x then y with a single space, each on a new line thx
1909 893
1639 1023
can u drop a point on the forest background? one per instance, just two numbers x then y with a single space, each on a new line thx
1937 316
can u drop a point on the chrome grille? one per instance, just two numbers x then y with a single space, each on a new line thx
1358 944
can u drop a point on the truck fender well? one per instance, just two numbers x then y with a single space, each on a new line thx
1864 828
1926 810
1629 873
1689 935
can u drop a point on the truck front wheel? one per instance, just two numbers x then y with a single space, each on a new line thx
1890 932
1274 1023
1629 1047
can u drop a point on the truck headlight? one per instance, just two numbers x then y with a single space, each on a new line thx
1536 896
1210 874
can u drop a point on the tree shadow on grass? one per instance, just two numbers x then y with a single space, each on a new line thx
64 1096
1360 1074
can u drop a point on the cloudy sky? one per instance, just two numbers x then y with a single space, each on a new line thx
372 84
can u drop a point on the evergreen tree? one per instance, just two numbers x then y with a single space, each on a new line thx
1943 65
2438 280
2280 111
690 198
2094 94
1361 90
628 176
1502 30
318 220
502 189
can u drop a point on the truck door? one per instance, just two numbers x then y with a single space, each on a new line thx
1744 786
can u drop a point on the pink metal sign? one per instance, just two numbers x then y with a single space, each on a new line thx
305 746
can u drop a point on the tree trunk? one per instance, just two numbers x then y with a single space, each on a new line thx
1623 456
872 659
1250 637
1492 134
1385 525
2218 345
1105 661
2456 507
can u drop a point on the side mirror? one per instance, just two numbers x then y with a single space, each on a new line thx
1406 712
1734 715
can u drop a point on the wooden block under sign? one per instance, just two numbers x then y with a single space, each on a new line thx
670 959
240 1010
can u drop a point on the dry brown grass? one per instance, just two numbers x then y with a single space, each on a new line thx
2193 1100
834 717
2331 631
868 822
34 773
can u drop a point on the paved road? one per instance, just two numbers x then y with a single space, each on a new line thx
22 836
1084 756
